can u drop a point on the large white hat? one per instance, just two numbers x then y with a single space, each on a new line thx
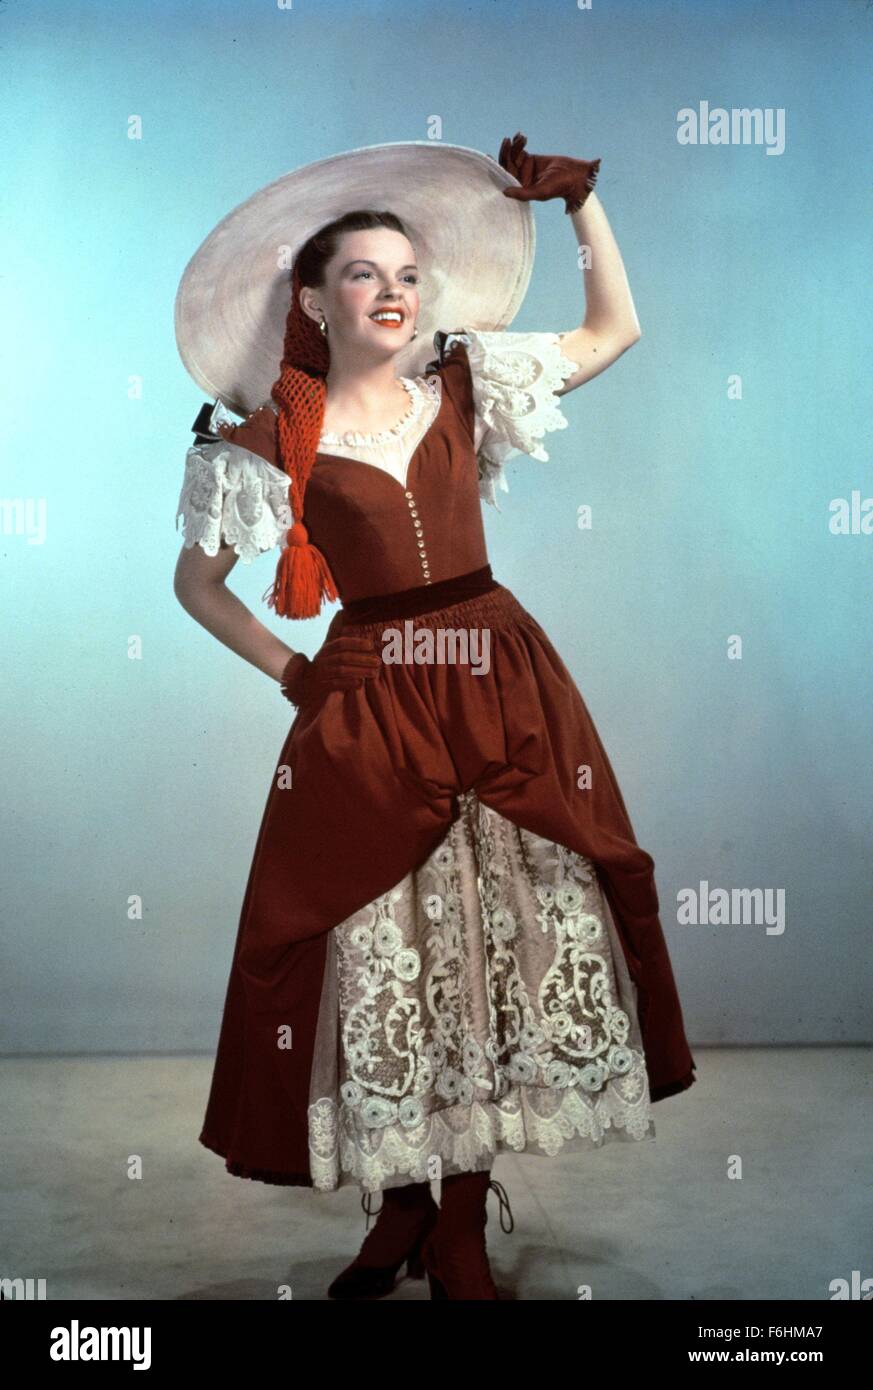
474 247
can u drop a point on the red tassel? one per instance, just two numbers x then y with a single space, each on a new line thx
303 578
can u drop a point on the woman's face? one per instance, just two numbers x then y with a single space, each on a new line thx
373 272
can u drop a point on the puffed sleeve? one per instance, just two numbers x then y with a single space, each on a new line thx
514 377
231 494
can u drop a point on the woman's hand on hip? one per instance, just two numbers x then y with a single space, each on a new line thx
342 663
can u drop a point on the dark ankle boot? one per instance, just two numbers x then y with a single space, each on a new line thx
406 1217
455 1254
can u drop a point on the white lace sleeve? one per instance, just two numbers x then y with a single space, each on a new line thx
514 378
231 494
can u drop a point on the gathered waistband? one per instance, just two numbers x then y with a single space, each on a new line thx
466 599
421 598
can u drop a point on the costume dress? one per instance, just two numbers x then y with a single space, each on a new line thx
449 944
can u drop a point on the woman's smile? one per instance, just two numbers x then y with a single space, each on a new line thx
388 318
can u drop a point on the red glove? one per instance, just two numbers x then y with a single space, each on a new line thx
342 663
544 176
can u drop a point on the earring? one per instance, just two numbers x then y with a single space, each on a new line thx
323 327
415 334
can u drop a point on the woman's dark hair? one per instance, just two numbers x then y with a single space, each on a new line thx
322 246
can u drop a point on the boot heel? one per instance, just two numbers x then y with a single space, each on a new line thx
366 1281
415 1259
437 1288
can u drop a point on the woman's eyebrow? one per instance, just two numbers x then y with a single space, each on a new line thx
360 260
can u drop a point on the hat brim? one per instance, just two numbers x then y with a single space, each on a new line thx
474 248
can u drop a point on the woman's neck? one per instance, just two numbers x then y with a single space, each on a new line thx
364 397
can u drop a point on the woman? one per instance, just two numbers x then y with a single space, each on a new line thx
449 945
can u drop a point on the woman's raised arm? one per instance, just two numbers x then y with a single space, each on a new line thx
610 324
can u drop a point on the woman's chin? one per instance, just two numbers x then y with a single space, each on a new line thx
387 343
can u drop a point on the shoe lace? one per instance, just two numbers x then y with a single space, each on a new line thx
503 1200
499 1189
366 1198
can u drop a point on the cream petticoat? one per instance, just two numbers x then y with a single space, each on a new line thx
482 1005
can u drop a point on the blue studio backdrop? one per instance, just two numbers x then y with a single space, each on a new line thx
716 613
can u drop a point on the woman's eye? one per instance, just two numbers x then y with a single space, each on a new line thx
359 273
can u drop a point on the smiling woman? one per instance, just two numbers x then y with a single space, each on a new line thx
378 289
447 909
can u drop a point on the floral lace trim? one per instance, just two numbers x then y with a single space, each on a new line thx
465 1138
515 376
480 1005
231 494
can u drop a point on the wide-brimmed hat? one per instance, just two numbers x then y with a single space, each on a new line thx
474 247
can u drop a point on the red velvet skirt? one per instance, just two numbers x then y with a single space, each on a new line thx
389 1015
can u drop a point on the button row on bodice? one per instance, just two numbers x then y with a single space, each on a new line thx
422 553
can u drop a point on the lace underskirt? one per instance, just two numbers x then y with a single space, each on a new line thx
482 1005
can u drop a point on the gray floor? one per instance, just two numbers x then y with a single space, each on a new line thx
657 1220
